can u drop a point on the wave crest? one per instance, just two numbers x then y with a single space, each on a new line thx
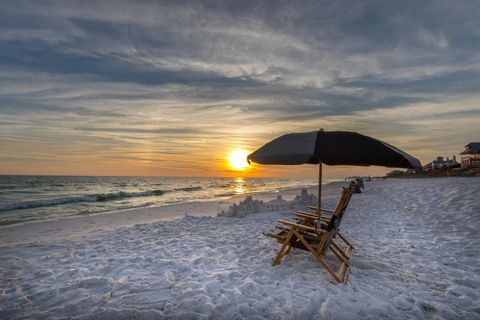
103 197
187 189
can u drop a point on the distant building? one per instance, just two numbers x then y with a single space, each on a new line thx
471 155
395 173
440 163
410 172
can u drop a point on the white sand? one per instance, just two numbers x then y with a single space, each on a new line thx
417 256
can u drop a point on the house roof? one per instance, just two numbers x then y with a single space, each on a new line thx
473 147
428 165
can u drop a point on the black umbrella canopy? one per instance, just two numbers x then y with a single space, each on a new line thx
332 148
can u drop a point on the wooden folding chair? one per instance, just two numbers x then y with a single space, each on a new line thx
317 220
316 236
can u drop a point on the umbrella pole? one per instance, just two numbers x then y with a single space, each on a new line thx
319 201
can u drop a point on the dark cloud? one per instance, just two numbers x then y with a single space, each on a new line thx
215 67
38 57
175 131
18 106
455 82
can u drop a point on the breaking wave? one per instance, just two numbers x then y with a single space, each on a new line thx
77 199
188 189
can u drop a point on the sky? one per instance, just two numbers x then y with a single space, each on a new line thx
171 88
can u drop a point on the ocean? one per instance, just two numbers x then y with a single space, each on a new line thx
34 198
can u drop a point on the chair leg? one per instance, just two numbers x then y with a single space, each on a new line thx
344 240
322 261
282 250
330 270
344 256
343 271
288 249
339 253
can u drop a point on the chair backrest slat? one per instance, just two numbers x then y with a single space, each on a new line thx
336 219
340 209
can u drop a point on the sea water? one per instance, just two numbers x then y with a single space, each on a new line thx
33 198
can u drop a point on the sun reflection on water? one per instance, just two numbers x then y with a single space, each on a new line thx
240 186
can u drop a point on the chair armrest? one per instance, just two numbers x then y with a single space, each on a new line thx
301 226
273 235
306 215
321 209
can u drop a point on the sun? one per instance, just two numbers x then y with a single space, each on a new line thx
238 160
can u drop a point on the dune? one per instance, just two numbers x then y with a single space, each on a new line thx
417 246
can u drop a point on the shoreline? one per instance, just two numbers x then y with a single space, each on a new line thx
96 196
87 225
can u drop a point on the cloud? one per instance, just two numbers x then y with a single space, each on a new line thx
175 131
104 81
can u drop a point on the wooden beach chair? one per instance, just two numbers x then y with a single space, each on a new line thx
318 237
317 220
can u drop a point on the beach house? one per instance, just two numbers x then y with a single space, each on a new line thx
471 155
440 163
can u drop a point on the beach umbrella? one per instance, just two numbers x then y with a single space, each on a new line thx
332 148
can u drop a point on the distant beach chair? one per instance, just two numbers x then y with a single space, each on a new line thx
317 236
